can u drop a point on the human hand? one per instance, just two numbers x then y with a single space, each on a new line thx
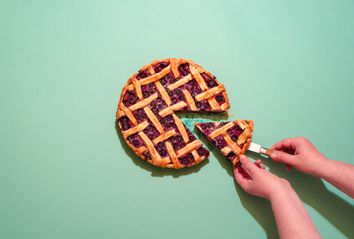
255 180
299 153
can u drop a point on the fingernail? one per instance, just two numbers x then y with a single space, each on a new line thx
273 154
242 156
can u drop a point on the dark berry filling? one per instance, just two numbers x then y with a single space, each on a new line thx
220 99
147 155
231 156
177 142
157 105
187 160
168 122
129 98
143 74
203 152
235 132
159 66
135 140
206 76
125 122
148 89
184 69
140 115
210 81
167 79
151 132
190 135
193 88
161 149
222 124
207 128
203 105
176 95
220 142
242 170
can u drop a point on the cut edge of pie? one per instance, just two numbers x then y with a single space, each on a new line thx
147 105
232 138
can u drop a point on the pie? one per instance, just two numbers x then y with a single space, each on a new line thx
146 111
231 138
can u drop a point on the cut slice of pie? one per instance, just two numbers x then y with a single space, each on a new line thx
146 111
231 138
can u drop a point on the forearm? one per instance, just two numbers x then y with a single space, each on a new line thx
291 217
339 174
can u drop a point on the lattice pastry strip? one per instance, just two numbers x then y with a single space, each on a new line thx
231 138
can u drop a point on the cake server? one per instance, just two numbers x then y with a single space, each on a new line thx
259 149
265 151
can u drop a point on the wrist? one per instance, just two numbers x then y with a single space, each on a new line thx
282 191
321 169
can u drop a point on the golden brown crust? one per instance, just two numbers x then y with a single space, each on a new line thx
242 142
136 84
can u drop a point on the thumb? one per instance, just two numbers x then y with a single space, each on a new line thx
279 156
246 163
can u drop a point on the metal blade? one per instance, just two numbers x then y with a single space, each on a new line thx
255 148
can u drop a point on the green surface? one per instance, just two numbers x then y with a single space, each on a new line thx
64 173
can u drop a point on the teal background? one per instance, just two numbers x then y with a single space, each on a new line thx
64 173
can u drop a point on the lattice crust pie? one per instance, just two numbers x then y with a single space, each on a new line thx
231 138
146 111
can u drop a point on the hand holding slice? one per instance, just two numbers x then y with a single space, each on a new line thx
231 138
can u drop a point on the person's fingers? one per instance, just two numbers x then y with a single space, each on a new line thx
240 177
285 143
243 171
248 165
259 164
283 157
288 167
291 144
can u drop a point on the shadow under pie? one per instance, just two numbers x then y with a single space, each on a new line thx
157 171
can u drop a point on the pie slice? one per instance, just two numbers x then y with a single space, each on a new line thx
146 111
231 138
